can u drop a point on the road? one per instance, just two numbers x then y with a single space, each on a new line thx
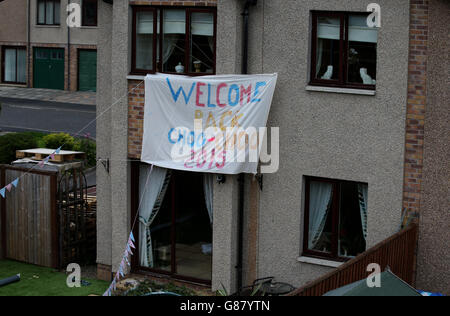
18 115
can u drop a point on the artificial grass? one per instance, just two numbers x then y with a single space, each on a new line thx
39 281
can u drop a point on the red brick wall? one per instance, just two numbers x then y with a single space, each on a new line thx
415 117
135 118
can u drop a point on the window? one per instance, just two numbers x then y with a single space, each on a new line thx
89 10
48 12
335 219
175 223
344 50
174 40
15 64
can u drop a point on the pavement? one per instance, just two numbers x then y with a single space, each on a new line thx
50 111
77 97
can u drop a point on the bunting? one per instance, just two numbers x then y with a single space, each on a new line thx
15 183
125 261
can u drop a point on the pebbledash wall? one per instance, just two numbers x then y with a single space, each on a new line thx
374 139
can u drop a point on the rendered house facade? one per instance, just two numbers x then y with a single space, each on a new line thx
350 104
39 50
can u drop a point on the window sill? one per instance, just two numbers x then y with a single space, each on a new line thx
320 262
53 26
341 90
136 77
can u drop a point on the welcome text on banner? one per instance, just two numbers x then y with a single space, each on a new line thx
211 124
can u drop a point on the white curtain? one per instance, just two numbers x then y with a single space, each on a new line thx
363 195
208 185
319 56
319 201
10 65
170 40
153 183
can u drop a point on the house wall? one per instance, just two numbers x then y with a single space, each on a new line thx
331 135
434 254
13 25
13 21
13 31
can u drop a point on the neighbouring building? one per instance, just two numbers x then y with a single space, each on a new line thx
351 103
39 50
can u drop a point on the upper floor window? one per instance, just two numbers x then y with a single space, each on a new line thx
174 40
89 11
335 219
344 50
48 12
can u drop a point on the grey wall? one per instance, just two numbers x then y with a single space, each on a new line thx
348 137
58 34
434 254
13 21
104 100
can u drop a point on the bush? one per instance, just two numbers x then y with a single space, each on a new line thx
89 147
54 141
9 143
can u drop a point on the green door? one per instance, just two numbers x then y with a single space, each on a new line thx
87 70
48 68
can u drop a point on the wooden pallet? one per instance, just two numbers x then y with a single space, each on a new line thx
40 154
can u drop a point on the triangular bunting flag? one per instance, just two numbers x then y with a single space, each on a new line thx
41 163
9 187
52 156
58 150
132 237
15 183
130 243
2 192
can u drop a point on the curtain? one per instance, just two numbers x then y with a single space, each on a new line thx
153 183
170 40
10 65
319 201
363 195
21 65
319 56
208 185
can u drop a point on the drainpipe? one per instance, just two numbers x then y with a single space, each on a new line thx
68 54
241 180
29 52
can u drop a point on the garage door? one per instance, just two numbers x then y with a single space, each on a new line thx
87 70
48 68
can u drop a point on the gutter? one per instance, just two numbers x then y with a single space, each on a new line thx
241 180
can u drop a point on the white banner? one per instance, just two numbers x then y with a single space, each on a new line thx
211 124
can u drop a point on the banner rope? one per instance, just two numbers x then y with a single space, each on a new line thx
57 151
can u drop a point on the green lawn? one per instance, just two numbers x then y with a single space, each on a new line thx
38 281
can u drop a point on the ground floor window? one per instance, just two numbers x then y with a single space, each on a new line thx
335 218
175 223
15 64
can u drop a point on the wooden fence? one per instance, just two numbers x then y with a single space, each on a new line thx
397 252
29 229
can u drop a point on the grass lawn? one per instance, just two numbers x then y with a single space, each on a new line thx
39 281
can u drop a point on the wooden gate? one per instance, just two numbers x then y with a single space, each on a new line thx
29 217
72 209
